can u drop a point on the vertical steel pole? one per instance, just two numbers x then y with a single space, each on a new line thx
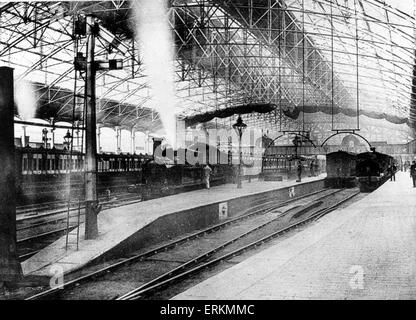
332 68
98 138
10 270
280 35
303 65
24 136
118 139
133 140
239 162
91 200
357 65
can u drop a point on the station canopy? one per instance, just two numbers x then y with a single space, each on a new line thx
267 58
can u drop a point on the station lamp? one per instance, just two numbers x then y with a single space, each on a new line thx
67 139
45 137
239 128
297 141
112 64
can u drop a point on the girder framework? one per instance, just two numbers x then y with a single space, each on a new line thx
320 54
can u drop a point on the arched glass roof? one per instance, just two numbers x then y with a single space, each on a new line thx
333 56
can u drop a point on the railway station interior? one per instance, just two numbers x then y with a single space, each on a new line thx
208 150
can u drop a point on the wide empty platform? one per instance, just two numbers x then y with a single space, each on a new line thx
364 251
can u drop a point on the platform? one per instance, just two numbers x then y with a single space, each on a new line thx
364 251
170 216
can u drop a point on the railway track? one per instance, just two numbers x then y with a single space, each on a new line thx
29 208
260 221
35 211
35 236
39 219
49 227
32 237
186 270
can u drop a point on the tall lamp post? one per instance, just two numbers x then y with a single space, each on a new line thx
45 137
296 142
24 144
239 128
67 140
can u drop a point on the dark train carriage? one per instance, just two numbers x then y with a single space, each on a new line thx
174 171
117 172
50 174
371 170
42 174
341 169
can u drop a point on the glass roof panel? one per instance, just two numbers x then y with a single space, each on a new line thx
224 58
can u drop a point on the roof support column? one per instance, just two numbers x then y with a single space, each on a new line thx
118 140
91 200
146 142
25 141
53 133
10 269
133 140
98 138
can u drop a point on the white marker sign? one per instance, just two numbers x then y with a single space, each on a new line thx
223 210
292 192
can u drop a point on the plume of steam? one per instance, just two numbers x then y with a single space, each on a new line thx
156 47
25 98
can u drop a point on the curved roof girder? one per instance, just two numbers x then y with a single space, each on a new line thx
256 84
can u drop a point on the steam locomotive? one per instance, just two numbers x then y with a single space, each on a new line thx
368 170
371 170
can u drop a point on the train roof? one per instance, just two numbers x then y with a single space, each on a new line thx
372 153
341 152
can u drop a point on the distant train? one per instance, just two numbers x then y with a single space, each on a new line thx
371 170
340 169
54 174
50 174
160 180
368 170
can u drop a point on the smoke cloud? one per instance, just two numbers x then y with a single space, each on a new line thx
157 50
25 98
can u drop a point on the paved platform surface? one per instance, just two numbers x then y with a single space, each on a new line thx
364 251
117 224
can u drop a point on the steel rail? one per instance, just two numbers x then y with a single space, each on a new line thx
248 213
27 255
106 205
43 235
150 287
211 252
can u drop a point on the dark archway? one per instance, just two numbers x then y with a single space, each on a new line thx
347 132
